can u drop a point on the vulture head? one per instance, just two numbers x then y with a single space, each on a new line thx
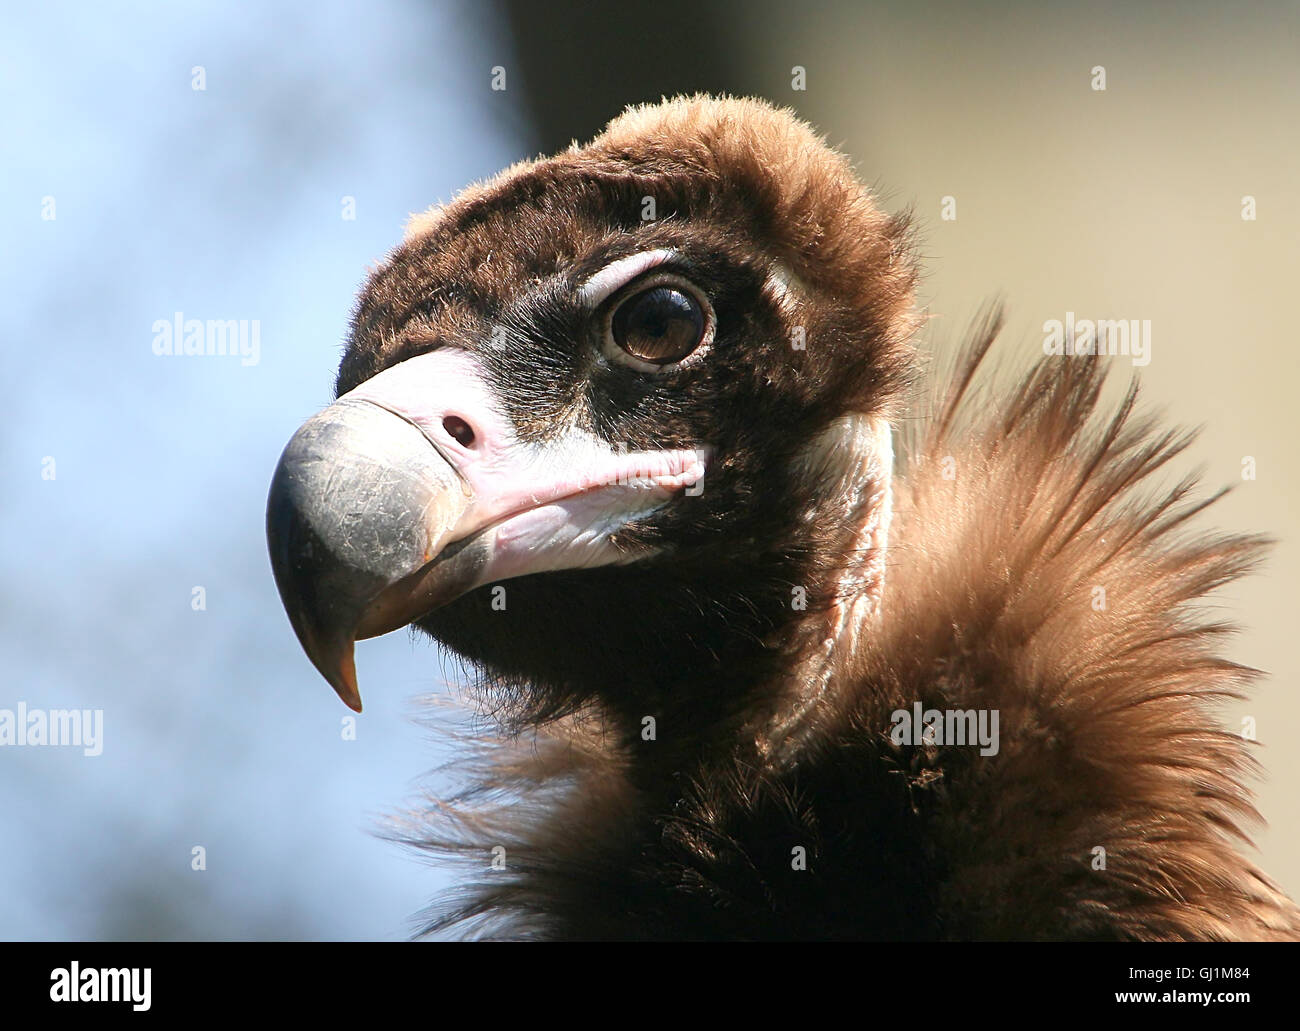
615 427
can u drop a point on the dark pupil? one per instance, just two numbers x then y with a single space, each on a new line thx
660 325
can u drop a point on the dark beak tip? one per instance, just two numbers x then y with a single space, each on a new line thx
344 681
331 652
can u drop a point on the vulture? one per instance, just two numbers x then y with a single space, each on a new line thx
776 635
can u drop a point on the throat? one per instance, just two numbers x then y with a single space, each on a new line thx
713 659
759 695
856 456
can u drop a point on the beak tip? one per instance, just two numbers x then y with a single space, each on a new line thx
352 701
345 684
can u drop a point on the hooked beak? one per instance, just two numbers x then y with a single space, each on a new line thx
413 489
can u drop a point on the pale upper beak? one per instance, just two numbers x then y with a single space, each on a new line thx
414 488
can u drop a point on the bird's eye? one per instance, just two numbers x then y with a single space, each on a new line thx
660 325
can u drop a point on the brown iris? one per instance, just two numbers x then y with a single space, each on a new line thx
660 325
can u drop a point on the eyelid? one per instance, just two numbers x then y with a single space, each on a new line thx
616 275
633 288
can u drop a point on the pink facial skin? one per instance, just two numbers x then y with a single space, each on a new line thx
547 506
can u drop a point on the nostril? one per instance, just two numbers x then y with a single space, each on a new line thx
459 430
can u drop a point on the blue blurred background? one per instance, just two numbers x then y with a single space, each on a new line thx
128 195
226 202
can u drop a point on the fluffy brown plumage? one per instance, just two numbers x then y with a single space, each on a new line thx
776 623
1011 511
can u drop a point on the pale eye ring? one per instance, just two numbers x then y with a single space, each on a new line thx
657 323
